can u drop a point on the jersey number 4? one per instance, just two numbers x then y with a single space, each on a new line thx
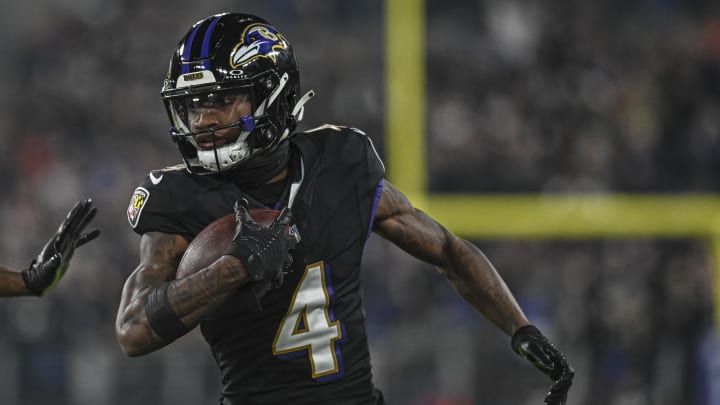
307 327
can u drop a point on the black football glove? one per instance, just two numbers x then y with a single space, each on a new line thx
263 251
51 264
529 343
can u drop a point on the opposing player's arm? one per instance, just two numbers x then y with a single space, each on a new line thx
49 267
465 266
153 287
11 283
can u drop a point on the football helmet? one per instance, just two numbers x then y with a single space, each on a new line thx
222 59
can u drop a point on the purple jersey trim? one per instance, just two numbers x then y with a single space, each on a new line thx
378 194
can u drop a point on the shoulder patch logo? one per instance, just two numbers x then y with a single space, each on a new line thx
137 203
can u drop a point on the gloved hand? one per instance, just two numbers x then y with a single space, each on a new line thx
51 264
529 343
263 251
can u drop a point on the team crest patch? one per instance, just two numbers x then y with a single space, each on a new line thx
137 203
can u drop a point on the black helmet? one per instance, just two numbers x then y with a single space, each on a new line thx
233 53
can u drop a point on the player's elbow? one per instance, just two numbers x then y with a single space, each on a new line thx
131 342
130 347
131 351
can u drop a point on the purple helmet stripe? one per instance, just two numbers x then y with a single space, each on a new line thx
188 48
205 52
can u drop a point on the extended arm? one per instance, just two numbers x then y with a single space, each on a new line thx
465 266
11 283
471 274
190 298
46 270
155 308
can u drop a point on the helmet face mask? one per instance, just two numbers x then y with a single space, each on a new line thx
223 61
188 108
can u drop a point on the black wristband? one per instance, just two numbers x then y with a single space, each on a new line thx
163 320
519 334
31 282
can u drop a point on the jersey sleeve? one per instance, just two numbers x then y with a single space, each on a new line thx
371 191
375 166
369 176
152 209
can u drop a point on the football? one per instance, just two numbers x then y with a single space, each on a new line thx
214 240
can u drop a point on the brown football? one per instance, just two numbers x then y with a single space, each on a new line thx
214 240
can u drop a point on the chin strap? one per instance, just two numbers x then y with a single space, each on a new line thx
297 112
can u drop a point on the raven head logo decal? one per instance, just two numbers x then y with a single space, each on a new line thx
259 41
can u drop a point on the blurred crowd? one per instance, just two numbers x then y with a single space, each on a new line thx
522 96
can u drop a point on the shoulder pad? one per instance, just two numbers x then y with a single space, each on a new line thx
153 187
329 128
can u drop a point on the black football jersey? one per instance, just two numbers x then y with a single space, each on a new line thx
308 345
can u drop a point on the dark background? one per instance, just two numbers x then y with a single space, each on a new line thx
522 96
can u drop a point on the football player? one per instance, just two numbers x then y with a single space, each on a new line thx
46 270
232 94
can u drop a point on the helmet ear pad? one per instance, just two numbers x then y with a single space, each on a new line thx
291 96
276 116
262 138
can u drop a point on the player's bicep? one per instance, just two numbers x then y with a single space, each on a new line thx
162 250
409 228
160 254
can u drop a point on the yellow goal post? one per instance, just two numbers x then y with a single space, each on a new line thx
534 216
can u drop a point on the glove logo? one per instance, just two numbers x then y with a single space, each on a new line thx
137 203
294 233
156 179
